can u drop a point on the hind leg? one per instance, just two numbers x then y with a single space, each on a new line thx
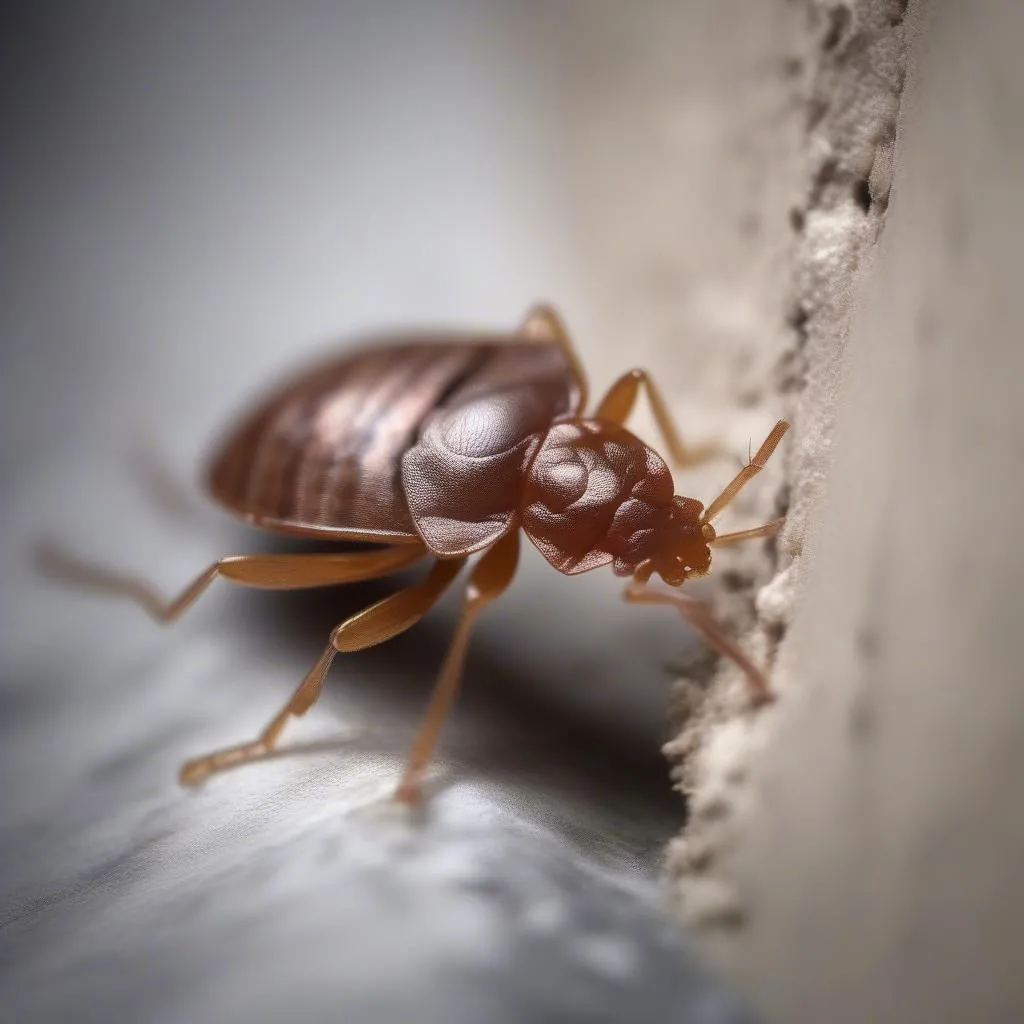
542 323
267 572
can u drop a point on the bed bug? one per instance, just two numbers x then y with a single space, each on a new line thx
443 447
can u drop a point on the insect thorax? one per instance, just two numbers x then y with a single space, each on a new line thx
595 494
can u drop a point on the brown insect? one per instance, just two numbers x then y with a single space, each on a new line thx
444 447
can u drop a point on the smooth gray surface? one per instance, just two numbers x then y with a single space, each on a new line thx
194 198
303 912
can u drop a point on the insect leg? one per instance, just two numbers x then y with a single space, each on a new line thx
617 406
490 577
542 323
767 530
747 473
697 614
270 572
374 625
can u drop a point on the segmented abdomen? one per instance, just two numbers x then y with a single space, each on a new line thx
322 455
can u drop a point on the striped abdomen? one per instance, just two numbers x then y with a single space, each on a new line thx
322 455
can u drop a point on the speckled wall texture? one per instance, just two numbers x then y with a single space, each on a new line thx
865 836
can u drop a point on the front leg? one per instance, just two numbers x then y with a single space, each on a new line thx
696 613
618 404
489 580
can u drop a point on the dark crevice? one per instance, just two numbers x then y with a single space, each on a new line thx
791 369
790 372
798 320
827 174
862 194
817 108
837 22
734 580
792 67
896 18
775 631
782 500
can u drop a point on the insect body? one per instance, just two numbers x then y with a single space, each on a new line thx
443 448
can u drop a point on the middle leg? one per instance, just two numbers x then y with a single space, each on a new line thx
374 625
490 578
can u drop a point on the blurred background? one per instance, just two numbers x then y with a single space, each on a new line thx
195 198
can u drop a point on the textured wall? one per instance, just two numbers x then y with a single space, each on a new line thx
850 78
683 141
875 852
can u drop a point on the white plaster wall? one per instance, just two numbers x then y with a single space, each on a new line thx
853 73
878 844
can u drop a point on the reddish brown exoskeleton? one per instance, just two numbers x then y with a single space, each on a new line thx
445 447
